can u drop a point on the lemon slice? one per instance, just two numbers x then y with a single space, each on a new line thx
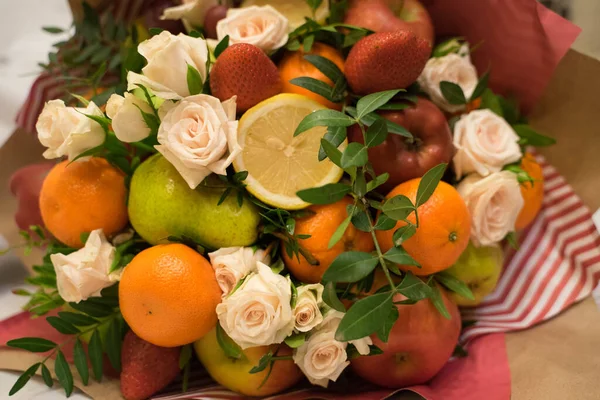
279 164
293 10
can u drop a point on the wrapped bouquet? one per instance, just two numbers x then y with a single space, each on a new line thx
290 189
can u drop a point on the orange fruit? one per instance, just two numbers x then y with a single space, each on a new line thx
83 196
293 65
532 192
443 232
168 295
321 226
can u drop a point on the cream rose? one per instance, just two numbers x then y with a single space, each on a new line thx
66 131
322 358
85 273
452 68
198 135
231 264
168 58
259 312
307 313
264 27
191 11
494 203
484 143
127 120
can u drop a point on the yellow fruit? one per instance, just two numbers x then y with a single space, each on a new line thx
234 373
294 10
279 164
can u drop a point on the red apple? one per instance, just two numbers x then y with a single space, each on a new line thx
405 159
391 15
420 343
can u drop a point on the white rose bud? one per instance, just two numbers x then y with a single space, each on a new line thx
231 264
452 68
191 11
127 120
484 143
307 313
85 273
168 58
263 27
198 135
494 203
322 358
259 312
66 131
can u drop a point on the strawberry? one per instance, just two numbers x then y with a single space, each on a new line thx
146 368
246 71
386 61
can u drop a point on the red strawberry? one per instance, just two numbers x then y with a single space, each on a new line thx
386 61
246 71
146 368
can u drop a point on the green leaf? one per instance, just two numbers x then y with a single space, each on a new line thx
369 119
398 207
307 44
372 102
510 110
481 86
323 118
353 36
93 309
185 355
263 363
376 134
327 194
194 80
378 181
155 31
53 29
403 233
314 4
80 360
453 93
454 284
365 317
398 255
413 287
448 46
331 299
395 106
102 121
383 333
24 378
339 232
296 340
62 326
87 52
223 44
530 137
293 45
316 86
326 66
81 99
355 155
438 301
350 266
429 182
490 101
46 376
114 340
33 344
95 354
335 136
229 347
294 297
100 56
63 373
384 223
512 240
360 219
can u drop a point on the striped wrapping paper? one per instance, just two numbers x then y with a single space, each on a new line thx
558 263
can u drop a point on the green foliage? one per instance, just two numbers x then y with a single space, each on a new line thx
229 347
453 93
223 44
454 284
350 266
194 80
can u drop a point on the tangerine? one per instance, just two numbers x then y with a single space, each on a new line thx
169 294
82 196
443 232
293 65
532 192
321 226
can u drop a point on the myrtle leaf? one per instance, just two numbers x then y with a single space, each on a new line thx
453 93
33 344
455 284
383 333
398 207
429 183
355 155
365 317
221 46
481 86
376 133
404 233
413 288
80 360
95 354
46 376
335 136
62 326
316 86
530 137
339 232
63 373
438 301
194 80
327 194
24 378
398 255
378 181
330 151
384 223
326 66
331 299
229 347
372 102
327 118
350 266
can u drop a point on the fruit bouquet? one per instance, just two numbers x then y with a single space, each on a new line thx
290 189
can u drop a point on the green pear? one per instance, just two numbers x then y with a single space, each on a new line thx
479 268
161 204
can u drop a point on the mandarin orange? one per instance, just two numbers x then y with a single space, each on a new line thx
443 232
82 196
532 192
321 226
168 295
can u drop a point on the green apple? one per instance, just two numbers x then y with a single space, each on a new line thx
479 268
161 204
235 374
